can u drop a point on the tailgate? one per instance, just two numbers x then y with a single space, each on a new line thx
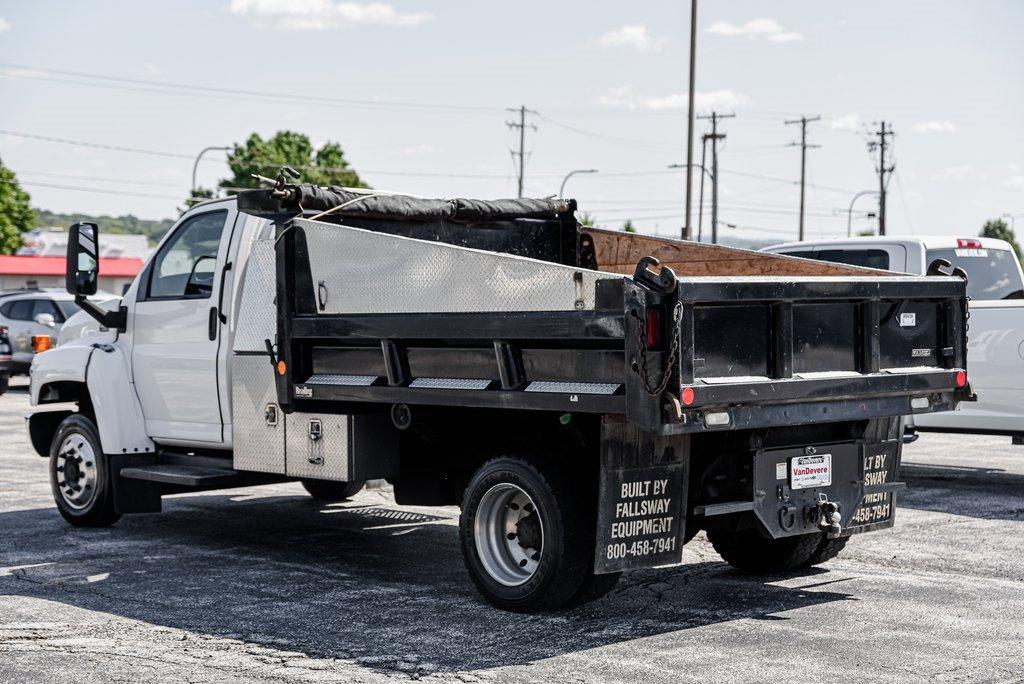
770 351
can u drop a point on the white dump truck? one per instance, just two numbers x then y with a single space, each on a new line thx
590 399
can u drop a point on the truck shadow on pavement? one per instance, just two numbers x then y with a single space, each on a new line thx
365 582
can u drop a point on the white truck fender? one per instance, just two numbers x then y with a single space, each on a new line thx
104 370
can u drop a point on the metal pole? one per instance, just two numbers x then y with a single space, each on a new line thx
688 228
700 200
522 146
849 212
195 165
1013 222
714 179
881 183
561 189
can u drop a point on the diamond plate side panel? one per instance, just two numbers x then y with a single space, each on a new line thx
367 272
324 459
257 446
257 311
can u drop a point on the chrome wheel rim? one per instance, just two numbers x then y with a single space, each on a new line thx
76 471
509 534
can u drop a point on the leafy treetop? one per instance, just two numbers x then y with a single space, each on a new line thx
16 215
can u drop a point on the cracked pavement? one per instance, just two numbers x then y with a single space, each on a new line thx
264 584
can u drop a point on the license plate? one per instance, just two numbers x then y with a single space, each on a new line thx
810 471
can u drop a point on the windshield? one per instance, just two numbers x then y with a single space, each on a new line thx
68 308
991 273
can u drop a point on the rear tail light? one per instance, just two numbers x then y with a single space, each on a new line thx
961 378
716 419
919 403
653 329
970 243
687 396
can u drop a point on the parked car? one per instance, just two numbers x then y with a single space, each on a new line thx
5 360
28 313
995 348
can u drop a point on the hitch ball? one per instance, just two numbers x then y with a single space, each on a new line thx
829 517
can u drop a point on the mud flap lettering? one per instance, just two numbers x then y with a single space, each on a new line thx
640 521
876 509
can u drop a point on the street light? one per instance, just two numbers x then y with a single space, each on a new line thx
195 166
1013 222
561 189
849 212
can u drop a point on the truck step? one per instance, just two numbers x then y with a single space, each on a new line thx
188 476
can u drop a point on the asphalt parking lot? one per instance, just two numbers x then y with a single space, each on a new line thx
264 584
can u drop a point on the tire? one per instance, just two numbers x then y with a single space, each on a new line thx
5 382
827 550
76 451
554 567
325 490
748 551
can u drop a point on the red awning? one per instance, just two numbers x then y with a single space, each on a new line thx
14 265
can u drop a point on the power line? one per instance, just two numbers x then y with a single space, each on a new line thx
883 171
803 121
714 137
197 90
521 154
101 191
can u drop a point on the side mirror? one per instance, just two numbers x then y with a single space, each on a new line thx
45 319
83 260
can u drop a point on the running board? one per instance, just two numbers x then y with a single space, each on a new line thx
184 475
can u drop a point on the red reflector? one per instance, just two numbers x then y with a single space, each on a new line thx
688 396
961 378
653 329
970 243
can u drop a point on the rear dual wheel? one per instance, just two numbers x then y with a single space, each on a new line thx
749 551
527 537
326 490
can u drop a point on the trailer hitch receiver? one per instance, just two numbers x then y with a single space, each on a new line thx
826 515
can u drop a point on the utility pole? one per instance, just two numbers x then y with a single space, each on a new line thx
884 172
714 136
803 121
688 226
700 197
522 126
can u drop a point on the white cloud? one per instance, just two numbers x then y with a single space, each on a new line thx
756 28
934 127
624 98
4 25
321 15
847 122
634 36
419 150
956 173
1014 182
151 69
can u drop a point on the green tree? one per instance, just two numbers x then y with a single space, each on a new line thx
628 226
326 166
997 228
16 215
198 196
587 220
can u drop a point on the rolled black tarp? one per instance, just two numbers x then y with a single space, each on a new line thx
315 198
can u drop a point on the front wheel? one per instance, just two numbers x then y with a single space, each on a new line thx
80 474
528 537
748 551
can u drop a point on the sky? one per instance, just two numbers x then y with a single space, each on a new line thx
416 92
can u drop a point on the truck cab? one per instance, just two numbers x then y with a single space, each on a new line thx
995 286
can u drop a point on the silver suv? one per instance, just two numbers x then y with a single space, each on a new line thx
32 312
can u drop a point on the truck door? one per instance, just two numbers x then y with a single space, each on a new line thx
176 332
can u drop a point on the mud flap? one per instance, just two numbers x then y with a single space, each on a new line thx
133 496
641 519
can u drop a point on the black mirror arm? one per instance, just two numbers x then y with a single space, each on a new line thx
108 319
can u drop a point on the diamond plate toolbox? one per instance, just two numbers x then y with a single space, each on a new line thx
257 320
258 426
348 265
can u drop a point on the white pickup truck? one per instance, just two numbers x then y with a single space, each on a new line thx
995 344
586 408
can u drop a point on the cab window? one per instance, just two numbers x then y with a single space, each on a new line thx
185 265
18 310
991 273
870 258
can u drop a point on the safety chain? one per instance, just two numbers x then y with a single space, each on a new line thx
641 335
